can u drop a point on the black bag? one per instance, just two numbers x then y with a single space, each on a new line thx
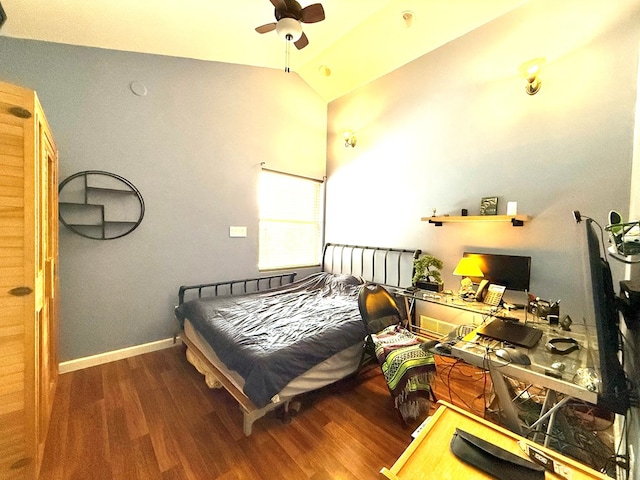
492 459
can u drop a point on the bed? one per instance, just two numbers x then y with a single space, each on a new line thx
269 339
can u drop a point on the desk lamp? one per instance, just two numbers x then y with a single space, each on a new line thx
467 267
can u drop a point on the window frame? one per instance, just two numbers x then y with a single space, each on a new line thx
317 222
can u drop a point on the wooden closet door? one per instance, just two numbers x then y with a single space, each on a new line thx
28 281
16 272
47 309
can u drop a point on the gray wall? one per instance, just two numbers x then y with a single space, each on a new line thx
456 125
192 146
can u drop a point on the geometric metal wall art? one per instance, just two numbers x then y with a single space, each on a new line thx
100 205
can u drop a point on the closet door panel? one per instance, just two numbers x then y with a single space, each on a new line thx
28 281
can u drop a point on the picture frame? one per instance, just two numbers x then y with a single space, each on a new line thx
489 206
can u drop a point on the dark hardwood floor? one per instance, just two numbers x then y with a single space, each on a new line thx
153 417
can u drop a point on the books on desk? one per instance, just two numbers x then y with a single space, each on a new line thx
511 332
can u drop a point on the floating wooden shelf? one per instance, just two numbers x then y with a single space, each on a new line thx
516 220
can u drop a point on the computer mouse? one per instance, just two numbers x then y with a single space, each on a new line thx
514 356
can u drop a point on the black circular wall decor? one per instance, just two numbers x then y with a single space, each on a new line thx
99 205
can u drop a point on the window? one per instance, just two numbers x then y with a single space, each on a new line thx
290 221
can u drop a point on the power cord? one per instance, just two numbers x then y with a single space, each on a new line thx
457 366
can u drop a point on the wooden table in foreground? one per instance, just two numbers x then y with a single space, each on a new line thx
428 456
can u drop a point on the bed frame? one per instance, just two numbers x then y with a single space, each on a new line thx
387 266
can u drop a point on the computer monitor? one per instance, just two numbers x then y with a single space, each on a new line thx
601 304
512 271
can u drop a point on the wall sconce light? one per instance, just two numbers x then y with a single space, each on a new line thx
530 70
350 139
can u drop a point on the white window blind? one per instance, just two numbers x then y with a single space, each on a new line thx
290 221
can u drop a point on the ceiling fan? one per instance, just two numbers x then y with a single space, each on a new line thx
289 16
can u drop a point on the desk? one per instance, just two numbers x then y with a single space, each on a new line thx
478 351
450 309
429 457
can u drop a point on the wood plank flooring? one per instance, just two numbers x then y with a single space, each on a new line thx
153 417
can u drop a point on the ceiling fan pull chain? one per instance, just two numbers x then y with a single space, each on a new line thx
287 50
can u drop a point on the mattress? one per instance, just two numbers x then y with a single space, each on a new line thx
336 367
270 338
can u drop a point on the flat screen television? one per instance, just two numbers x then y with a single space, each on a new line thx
512 271
602 304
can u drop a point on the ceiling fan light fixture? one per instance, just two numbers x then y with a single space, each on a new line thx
289 29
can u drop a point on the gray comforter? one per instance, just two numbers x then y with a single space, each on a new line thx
273 337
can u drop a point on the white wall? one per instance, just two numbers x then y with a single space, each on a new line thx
632 335
456 125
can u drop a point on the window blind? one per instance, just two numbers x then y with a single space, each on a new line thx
290 221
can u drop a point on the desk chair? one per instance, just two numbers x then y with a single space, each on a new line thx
407 367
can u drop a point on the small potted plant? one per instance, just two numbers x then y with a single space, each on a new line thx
427 273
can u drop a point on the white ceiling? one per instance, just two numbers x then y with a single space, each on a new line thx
359 40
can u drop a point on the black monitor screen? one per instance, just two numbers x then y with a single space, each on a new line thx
613 394
512 271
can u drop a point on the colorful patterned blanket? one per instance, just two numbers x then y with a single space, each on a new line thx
407 368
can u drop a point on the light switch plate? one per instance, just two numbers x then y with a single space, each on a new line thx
237 232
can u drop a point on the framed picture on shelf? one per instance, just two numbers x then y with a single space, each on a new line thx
489 206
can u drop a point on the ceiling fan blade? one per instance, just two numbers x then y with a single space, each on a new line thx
266 28
279 4
312 14
302 42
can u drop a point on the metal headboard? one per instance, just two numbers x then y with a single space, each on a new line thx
387 266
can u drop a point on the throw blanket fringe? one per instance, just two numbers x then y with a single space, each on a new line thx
407 368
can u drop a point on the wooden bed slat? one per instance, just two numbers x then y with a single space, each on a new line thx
250 412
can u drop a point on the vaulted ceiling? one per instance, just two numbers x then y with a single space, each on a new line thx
359 40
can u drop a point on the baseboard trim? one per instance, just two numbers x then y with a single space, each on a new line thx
106 357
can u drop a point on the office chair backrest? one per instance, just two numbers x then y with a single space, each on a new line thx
377 307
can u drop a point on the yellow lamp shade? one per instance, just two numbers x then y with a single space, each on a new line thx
468 267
